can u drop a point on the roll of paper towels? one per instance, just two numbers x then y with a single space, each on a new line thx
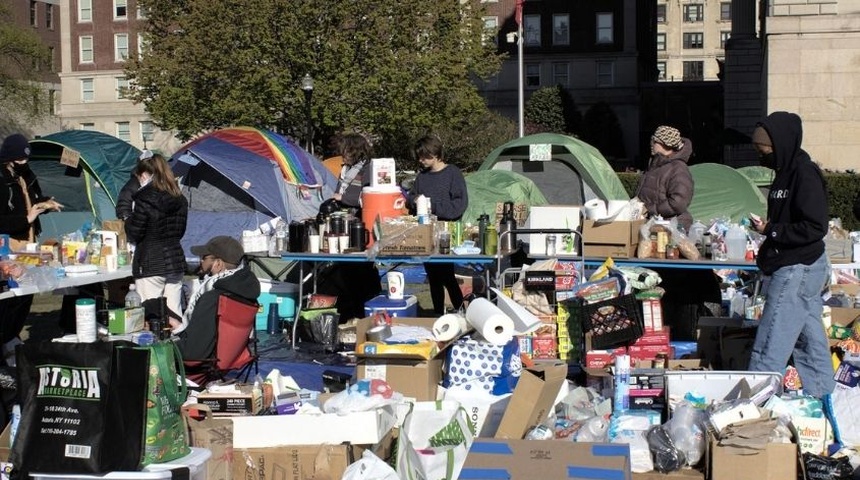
490 322
595 209
620 209
449 326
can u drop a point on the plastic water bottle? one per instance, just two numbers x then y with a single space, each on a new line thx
281 236
132 298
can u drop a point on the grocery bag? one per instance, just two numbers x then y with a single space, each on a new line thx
434 441
166 435
82 408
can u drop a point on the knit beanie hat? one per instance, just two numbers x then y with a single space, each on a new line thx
761 137
668 136
15 147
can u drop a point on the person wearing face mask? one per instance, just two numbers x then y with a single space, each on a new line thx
224 272
445 186
792 258
21 204
155 226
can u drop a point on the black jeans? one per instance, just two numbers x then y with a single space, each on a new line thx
441 277
13 314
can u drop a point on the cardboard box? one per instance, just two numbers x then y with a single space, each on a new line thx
214 434
683 474
297 462
407 239
533 399
546 459
242 402
617 239
652 338
410 374
125 320
778 461
551 216
652 315
647 352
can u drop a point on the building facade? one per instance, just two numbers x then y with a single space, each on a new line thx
691 38
97 37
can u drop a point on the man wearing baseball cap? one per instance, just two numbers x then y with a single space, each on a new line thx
225 272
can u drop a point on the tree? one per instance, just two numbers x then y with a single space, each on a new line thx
390 68
21 52
552 109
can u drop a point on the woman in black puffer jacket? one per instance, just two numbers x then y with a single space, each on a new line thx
155 227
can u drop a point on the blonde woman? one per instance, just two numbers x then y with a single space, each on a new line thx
155 227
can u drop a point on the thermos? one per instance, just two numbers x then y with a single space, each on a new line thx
295 242
358 235
507 224
483 221
273 326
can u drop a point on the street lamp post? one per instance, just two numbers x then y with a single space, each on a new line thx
308 88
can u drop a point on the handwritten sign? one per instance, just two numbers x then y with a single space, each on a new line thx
70 157
540 152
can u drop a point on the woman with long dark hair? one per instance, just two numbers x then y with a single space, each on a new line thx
155 227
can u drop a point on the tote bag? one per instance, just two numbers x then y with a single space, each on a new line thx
166 436
434 441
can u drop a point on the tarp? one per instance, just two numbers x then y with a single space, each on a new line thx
240 178
89 191
722 191
488 187
575 173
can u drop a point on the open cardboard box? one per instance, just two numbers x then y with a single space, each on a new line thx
614 239
533 399
409 374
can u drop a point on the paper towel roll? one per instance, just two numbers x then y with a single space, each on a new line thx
595 209
490 322
620 209
449 326
524 320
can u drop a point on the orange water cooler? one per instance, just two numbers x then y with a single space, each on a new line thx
382 202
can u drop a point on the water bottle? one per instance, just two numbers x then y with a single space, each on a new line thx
483 221
132 298
281 236
273 326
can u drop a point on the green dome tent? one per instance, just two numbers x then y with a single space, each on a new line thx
88 191
722 191
761 177
575 173
488 187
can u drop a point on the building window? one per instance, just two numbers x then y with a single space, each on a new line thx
49 16
661 42
147 132
604 28
694 71
533 75
724 37
491 29
726 11
561 29
33 18
87 49
141 46
52 101
120 42
120 9
661 13
52 56
560 74
123 131
531 30
694 40
695 12
85 10
121 88
661 70
88 93
87 126
605 72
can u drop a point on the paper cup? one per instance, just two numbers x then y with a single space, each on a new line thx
343 243
314 243
111 263
333 244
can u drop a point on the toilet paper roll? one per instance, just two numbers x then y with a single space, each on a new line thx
595 209
449 326
524 320
620 209
490 322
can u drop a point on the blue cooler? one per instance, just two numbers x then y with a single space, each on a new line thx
407 307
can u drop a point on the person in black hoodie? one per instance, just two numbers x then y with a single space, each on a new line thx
155 227
225 272
792 258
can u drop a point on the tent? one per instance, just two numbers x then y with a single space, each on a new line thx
722 191
573 173
240 178
88 191
760 176
488 187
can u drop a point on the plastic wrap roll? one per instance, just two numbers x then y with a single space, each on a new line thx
449 326
595 209
490 322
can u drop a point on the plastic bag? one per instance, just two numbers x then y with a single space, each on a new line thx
364 396
369 467
667 458
593 430
826 468
645 249
44 278
687 430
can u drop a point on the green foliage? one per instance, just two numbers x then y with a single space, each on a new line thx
21 51
602 130
842 190
390 68
467 148
552 109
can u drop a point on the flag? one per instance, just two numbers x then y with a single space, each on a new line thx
519 13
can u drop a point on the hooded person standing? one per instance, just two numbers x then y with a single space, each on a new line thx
21 203
792 258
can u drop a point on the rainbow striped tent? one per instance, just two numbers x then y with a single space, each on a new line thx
241 178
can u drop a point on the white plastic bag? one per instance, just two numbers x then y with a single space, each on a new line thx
369 467
434 441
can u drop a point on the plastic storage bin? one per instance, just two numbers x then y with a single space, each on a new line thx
195 461
718 385
282 293
408 307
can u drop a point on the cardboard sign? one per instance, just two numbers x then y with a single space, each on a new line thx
70 157
540 152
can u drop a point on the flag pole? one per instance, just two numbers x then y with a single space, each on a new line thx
520 71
